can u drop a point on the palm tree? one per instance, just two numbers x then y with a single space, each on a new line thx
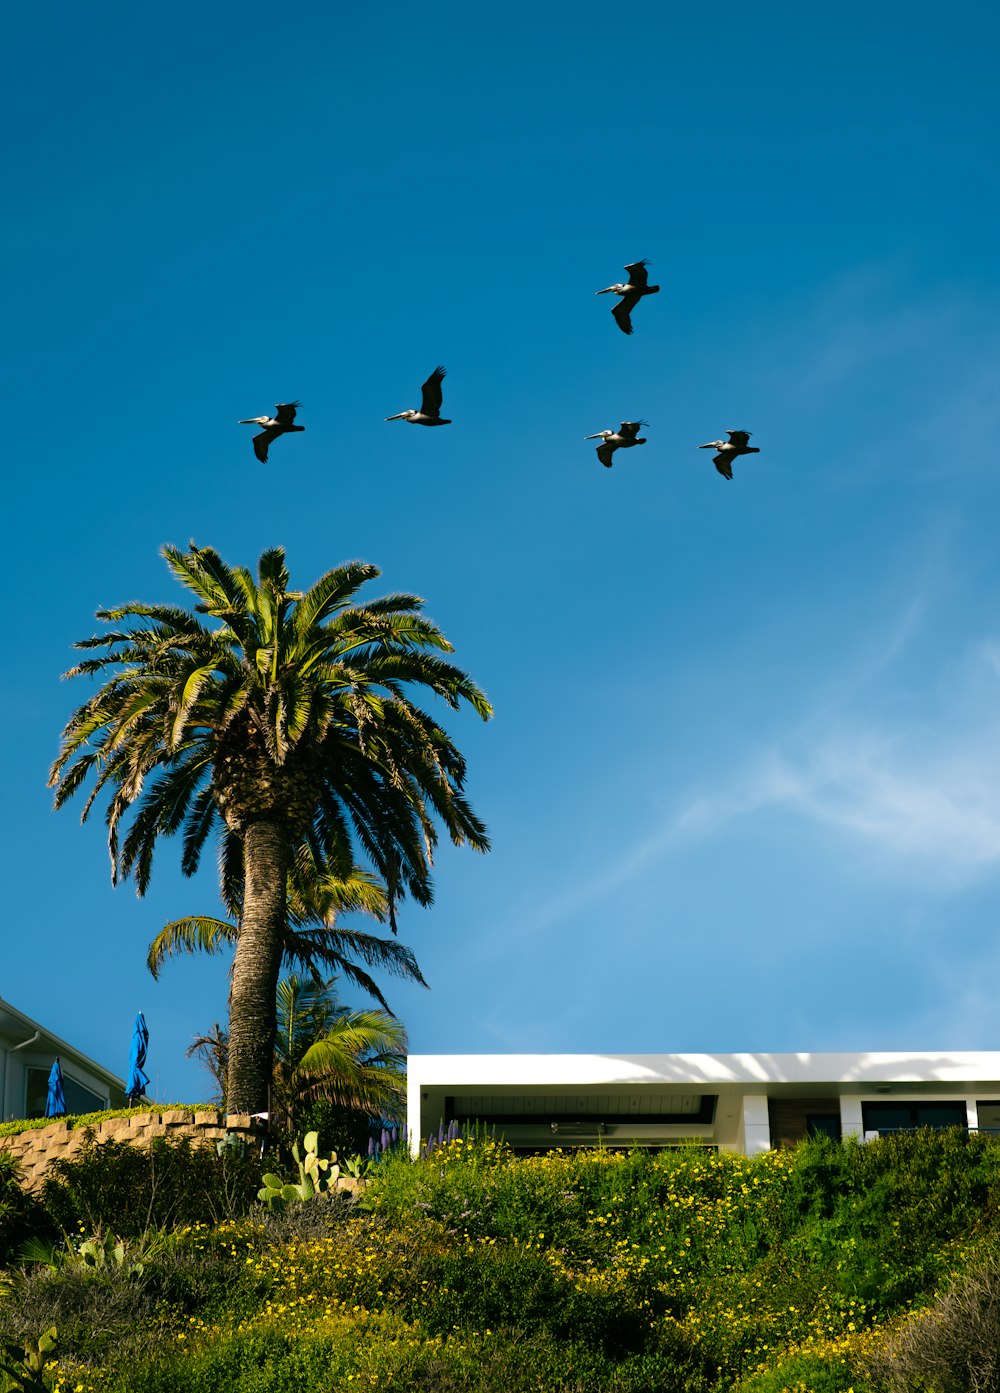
353 1059
287 724
313 936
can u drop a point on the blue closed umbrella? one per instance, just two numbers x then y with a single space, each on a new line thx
55 1101
137 1080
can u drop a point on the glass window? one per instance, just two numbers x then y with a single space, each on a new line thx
894 1117
941 1115
823 1125
78 1098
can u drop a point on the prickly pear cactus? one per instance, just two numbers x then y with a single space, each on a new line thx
275 1192
321 1172
26 1363
316 1174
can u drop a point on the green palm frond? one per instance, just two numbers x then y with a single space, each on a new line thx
318 896
315 940
196 934
358 1064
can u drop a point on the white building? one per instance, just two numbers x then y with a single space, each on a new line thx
731 1102
27 1051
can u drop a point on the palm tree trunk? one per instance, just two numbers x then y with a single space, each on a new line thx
252 1020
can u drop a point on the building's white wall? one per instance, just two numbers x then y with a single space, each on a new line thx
755 1128
15 1063
414 1118
742 1084
25 1043
850 1115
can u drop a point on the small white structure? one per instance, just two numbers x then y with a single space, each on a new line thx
27 1051
730 1102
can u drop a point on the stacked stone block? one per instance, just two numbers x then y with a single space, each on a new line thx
37 1148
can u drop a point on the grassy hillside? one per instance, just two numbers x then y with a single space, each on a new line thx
683 1272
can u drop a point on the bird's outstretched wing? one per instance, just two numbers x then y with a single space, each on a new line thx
431 395
622 312
604 453
637 273
285 412
629 429
723 465
739 438
261 442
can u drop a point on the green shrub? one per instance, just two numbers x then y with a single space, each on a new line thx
807 1373
882 1218
339 1130
683 1272
265 1360
378 1352
21 1216
127 1190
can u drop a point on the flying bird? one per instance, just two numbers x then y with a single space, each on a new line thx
430 404
729 449
627 434
631 293
273 427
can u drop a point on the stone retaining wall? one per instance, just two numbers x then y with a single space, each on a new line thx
38 1147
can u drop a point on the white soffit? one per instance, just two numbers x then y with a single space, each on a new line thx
477 1072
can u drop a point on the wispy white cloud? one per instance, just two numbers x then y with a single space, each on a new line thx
941 805
918 801
927 794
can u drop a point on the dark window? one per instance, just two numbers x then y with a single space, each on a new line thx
894 1117
572 1110
78 1098
823 1125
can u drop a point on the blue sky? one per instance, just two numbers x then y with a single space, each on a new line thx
743 781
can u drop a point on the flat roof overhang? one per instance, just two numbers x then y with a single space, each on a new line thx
964 1071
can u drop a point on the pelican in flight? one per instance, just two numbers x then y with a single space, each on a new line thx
729 449
273 427
430 404
631 292
627 434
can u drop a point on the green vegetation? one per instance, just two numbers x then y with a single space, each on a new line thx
94 1119
286 730
819 1270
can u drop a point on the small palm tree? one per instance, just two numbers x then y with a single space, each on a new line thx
287 722
213 1051
353 1059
